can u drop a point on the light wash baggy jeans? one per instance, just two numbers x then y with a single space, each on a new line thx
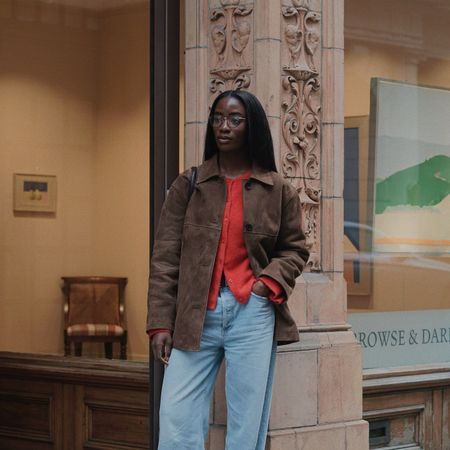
243 334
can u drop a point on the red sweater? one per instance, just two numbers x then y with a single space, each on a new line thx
232 257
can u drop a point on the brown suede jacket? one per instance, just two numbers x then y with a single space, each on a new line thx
188 236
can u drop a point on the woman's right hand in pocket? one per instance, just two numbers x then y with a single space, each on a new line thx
162 346
259 288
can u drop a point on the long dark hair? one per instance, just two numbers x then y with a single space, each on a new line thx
259 139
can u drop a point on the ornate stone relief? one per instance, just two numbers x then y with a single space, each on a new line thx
301 115
230 35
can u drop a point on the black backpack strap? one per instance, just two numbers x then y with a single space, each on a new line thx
193 180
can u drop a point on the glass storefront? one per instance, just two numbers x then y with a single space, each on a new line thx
397 179
74 105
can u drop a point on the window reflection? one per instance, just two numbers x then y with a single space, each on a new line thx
397 170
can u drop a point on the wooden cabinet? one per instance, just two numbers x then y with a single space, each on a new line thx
72 403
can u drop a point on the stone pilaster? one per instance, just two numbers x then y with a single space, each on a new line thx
197 41
290 54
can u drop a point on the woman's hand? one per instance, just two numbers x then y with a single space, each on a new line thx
162 346
259 288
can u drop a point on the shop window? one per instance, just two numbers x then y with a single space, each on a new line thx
74 138
397 180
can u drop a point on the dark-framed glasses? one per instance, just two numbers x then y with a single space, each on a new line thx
233 121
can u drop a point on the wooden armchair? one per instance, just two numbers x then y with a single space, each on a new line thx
94 311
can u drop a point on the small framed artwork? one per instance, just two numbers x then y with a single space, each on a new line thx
34 193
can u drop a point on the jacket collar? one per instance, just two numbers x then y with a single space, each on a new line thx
210 169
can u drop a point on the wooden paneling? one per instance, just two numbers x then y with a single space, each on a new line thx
28 413
436 418
416 403
72 403
15 443
446 418
131 426
409 414
114 419
128 410
76 404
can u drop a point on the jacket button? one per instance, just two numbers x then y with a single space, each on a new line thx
248 227
248 185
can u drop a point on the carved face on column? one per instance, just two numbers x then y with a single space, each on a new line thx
229 138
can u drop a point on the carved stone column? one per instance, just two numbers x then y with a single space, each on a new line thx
290 54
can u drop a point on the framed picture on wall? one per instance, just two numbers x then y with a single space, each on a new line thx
34 193
358 179
411 131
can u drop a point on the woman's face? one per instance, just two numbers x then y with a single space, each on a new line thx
229 131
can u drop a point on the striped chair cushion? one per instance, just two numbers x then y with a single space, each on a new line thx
95 329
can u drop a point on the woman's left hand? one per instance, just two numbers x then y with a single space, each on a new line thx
259 288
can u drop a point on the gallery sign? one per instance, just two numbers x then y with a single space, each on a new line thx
399 338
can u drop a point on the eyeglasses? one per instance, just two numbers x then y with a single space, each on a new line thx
217 120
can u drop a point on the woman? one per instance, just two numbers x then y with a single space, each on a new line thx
224 263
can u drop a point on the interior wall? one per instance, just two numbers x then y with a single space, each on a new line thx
47 126
122 162
405 40
73 103
361 63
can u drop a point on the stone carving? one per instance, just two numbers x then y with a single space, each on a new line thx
301 116
230 37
